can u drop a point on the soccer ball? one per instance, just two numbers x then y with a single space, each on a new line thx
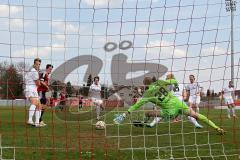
100 125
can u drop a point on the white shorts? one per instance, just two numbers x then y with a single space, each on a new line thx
97 101
31 94
229 100
194 99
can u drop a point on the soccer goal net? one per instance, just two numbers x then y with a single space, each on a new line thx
121 42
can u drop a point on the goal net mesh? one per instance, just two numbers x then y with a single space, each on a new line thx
121 41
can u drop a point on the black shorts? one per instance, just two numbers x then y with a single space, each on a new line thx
43 99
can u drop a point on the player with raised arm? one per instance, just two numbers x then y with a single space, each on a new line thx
95 94
32 81
193 91
228 95
171 106
43 88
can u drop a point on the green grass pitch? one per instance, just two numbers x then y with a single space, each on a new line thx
80 140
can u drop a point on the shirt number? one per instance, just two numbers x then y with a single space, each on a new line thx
161 94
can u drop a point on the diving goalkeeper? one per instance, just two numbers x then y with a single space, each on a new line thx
171 107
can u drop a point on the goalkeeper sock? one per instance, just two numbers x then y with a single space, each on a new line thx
155 121
207 121
31 112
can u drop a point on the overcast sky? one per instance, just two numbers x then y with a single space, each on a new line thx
187 36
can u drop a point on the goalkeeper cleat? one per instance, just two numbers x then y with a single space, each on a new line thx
138 123
221 131
150 126
119 118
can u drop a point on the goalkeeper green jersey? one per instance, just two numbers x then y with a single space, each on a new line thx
159 94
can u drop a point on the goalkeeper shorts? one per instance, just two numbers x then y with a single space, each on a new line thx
173 108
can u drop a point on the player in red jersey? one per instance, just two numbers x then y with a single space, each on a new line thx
43 88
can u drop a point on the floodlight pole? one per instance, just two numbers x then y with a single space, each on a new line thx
231 7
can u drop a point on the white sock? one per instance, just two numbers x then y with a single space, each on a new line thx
229 112
37 116
98 110
233 111
155 121
193 121
197 109
31 112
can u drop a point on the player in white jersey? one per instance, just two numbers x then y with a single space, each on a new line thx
95 94
177 92
193 93
228 95
32 81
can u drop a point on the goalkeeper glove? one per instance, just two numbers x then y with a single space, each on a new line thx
119 118
221 131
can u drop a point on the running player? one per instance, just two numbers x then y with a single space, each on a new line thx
95 94
228 94
80 102
194 91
